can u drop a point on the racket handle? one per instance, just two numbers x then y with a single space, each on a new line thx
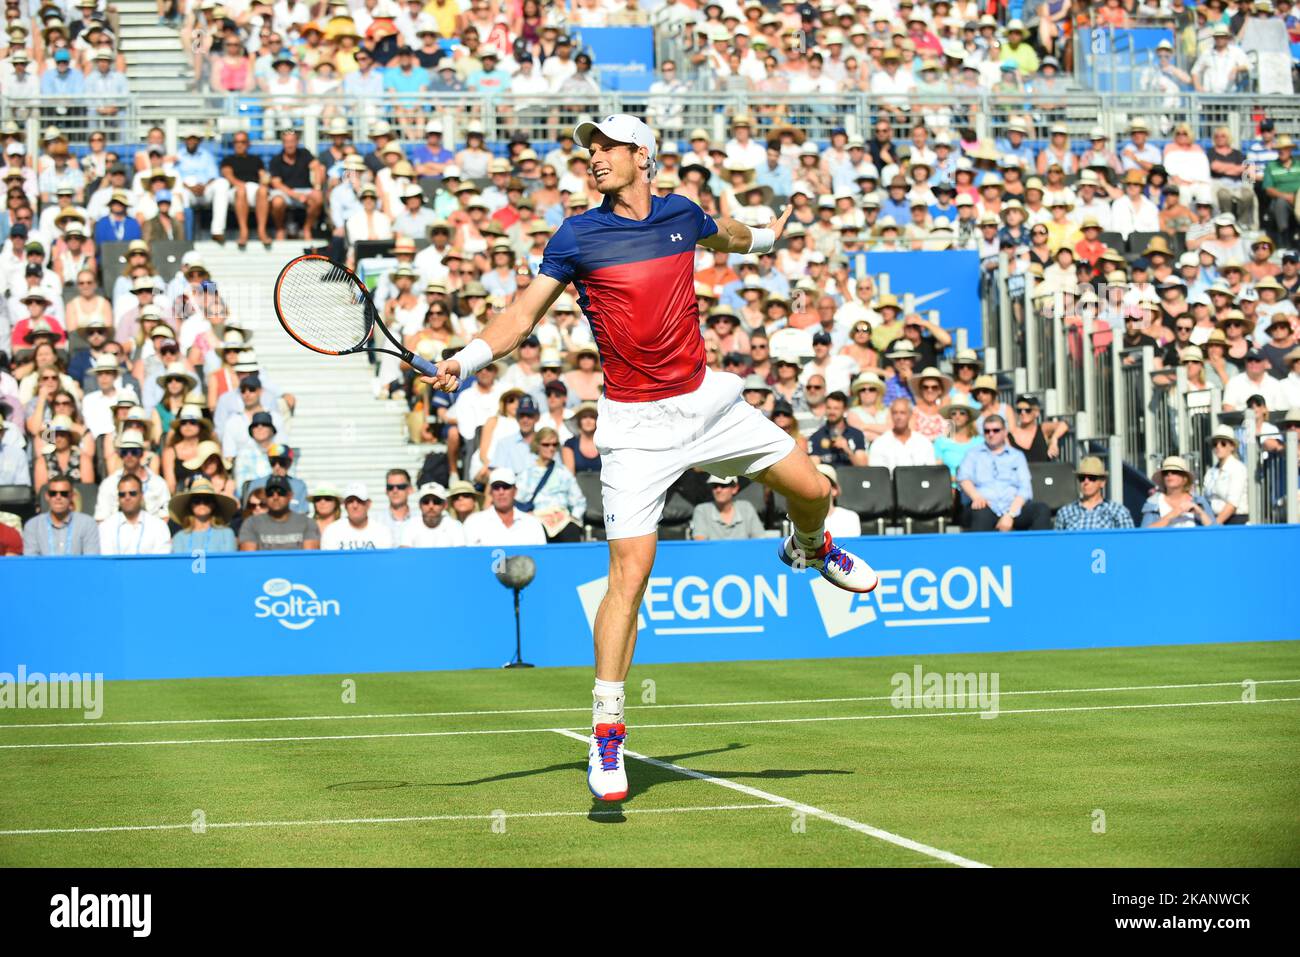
421 364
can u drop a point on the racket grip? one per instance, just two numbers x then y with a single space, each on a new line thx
421 364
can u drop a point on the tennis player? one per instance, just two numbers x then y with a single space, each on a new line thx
664 411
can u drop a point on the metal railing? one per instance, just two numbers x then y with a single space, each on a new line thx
540 117
1273 489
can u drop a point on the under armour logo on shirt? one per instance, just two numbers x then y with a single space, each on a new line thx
677 237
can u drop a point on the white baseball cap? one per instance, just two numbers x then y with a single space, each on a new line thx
503 475
431 488
356 490
620 127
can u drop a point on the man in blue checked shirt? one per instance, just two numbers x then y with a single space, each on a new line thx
1092 510
996 480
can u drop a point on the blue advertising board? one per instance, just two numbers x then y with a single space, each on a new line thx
623 56
947 280
274 613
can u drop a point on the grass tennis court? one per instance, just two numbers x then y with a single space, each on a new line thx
418 770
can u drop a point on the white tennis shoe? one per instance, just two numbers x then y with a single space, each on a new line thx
606 772
839 567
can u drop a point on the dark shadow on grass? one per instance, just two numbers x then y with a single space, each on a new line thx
642 778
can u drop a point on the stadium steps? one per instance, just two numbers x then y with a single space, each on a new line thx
342 432
155 61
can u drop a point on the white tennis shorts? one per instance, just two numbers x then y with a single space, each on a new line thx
646 446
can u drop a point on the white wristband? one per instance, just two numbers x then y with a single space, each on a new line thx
473 357
761 240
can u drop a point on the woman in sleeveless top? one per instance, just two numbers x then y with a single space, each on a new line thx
176 384
188 431
1038 440
63 457
580 453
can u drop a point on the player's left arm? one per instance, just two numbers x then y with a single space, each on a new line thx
735 237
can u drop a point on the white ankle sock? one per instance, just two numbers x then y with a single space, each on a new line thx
809 541
607 702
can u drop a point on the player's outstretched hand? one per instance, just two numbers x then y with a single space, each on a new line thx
778 225
448 377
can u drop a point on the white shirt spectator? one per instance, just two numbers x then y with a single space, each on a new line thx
1215 69
448 533
1127 216
752 153
147 535
486 528
842 523
344 536
1240 388
473 408
889 452
156 496
1226 485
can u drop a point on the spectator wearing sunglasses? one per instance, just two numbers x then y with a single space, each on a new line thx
204 516
59 530
398 516
281 459
131 530
1092 510
995 479
270 525
156 495
434 528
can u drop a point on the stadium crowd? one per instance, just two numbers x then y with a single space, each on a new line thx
142 421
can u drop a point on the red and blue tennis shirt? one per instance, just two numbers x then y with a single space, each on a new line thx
636 286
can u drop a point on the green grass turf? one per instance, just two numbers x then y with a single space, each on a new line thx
1179 786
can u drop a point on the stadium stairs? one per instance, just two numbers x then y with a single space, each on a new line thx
340 432
155 61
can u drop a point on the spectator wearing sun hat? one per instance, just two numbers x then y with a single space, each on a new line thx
1226 481
132 451
1174 504
1092 510
725 518
204 517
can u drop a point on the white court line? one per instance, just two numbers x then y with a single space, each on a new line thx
778 801
425 818
639 727
586 708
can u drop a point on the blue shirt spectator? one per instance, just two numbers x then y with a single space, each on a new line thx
1106 514
60 79
998 476
779 179
212 541
197 165
110 230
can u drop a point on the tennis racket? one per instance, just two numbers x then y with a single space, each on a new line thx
327 308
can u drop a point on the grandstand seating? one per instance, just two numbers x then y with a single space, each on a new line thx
350 420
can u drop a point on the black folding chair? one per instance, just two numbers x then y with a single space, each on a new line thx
18 499
923 493
1137 242
676 520
593 519
1113 241
868 491
755 493
1054 483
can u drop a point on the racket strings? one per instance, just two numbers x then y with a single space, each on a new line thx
323 305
